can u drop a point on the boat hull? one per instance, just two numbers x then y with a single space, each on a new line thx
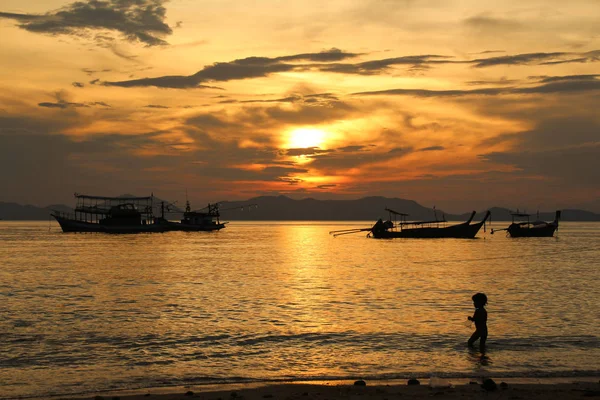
461 231
181 227
542 231
73 225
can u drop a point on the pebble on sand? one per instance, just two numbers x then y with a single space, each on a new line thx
489 385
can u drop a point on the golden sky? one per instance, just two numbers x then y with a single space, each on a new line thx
461 104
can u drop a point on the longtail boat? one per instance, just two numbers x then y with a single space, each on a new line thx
111 215
392 228
530 229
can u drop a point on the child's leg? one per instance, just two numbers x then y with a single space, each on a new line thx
482 342
473 338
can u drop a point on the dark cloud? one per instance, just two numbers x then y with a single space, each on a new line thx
24 126
136 20
423 62
568 166
155 106
92 71
350 149
567 61
568 84
536 58
291 181
483 23
553 133
208 121
562 86
35 159
435 93
560 151
432 148
62 104
490 52
378 66
547 79
78 84
100 103
245 68
172 82
289 99
330 55
335 161
321 96
311 99
499 82
306 151
263 118
259 67
325 187
283 171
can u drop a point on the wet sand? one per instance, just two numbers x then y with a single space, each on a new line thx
505 389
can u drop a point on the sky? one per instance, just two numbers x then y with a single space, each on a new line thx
458 104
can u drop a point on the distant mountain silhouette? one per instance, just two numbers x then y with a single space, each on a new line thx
283 208
14 211
273 208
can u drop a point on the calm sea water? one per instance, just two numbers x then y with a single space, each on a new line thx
82 313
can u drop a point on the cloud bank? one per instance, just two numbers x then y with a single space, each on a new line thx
137 20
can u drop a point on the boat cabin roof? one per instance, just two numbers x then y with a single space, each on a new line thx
121 199
396 212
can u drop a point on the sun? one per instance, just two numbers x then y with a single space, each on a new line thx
305 138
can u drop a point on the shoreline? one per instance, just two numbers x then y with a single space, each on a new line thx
442 388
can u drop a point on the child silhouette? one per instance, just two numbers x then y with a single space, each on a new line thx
480 319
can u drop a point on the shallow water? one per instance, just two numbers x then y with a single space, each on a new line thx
270 301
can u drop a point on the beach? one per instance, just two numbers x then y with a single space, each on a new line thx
531 389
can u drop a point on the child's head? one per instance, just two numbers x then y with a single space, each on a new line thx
479 299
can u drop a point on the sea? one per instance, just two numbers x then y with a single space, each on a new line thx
286 301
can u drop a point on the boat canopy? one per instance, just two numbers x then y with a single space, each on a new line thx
123 199
396 212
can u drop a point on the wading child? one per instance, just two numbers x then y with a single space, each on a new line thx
480 319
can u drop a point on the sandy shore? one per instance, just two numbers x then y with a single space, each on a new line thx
464 389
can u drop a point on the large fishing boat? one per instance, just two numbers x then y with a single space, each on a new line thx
536 228
397 226
111 215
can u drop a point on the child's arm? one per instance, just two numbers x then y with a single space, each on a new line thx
475 316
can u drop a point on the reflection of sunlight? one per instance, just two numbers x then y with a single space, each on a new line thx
309 283
305 138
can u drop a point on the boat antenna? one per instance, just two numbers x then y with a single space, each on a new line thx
187 202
